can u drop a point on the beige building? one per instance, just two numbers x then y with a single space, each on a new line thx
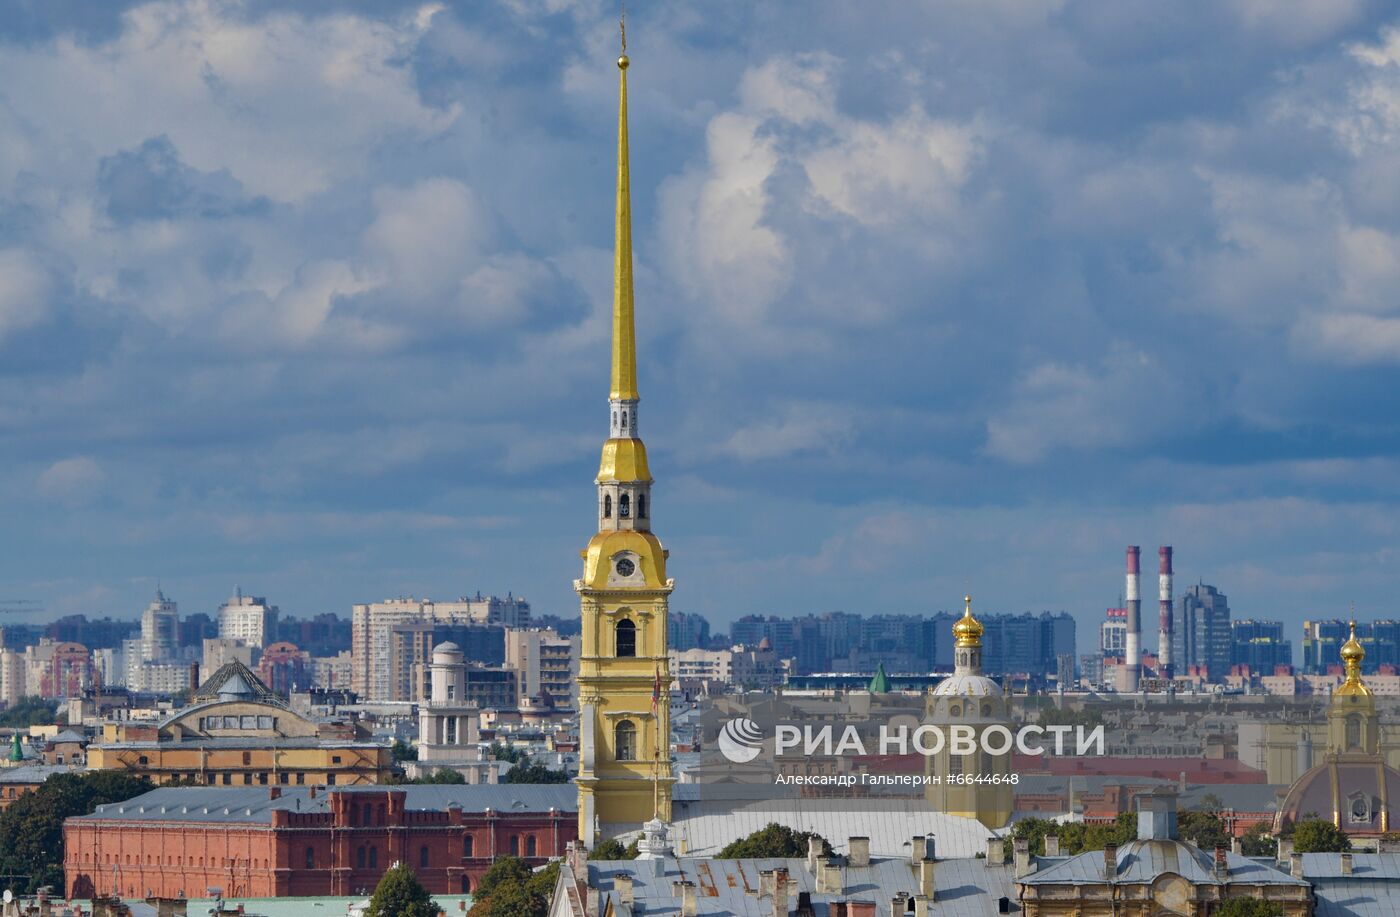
545 663
380 668
449 723
219 651
702 665
248 618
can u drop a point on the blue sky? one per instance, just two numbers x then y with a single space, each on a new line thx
313 299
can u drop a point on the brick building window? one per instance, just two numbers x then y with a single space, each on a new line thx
468 846
515 845
423 857
530 846
373 857
360 858
310 857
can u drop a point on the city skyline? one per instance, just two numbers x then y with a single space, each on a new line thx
322 331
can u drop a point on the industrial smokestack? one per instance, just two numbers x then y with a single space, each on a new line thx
1164 609
1131 672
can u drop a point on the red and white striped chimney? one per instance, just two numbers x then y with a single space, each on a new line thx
1132 644
1164 609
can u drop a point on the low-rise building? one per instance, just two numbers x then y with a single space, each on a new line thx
305 841
237 732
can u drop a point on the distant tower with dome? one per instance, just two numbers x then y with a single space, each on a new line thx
969 698
1353 787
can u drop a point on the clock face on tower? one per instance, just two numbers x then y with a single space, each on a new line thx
625 567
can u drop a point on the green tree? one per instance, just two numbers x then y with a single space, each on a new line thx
400 894
508 753
1257 842
29 711
1249 907
774 840
1118 832
31 829
612 849
1204 829
401 751
1316 835
510 889
533 772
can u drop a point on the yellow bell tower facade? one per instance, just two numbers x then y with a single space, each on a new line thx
624 672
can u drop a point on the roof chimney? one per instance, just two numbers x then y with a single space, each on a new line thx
1157 816
623 883
859 852
1052 845
1110 862
996 852
928 887
1346 864
780 893
689 903
1285 849
814 854
1295 865
920 906
830 879
1222 864
1021 848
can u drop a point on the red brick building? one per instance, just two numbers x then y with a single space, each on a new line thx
307 841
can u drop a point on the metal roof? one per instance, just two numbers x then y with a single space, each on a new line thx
256 805
1353 897
1363 865
702 827
1142 861
32 773
729 888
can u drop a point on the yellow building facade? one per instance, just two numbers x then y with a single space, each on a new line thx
237 733
624 670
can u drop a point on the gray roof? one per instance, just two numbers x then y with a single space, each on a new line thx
1372 889
729 888
1363 865
1144 860
32 773
256 805
68 735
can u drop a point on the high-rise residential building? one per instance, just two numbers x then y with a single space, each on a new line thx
160 630
333 673
285 668
1201 634
248 618
545 662
377 676
1113 632
219 651
1260 645
1322 640
689 631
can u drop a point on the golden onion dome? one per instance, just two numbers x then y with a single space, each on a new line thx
968 630
1352 654
1352 650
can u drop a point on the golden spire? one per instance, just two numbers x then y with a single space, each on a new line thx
968 630
1352 655
624 354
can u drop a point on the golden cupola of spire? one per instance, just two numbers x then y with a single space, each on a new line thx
968 630
1353 653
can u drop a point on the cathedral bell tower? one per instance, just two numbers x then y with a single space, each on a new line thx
624 672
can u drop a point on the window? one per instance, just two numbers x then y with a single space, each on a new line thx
360 858
626 638
468 846
607 506
247 759
641 506
335 759
531 845
624 506
451 691
330 780
355 814
452 730
625 740
1353 732
301 779
373 857
515 845
228 778
310 857
624 420
423 857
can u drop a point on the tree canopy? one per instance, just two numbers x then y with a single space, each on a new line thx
400 894
533 772
510 889
774 840
31 829
612 849
1317 835
29 711
1249 907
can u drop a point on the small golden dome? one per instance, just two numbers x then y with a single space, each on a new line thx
968 630
1352 649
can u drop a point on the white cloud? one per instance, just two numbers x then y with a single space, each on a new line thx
799 428
72 481
25 289
288 104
